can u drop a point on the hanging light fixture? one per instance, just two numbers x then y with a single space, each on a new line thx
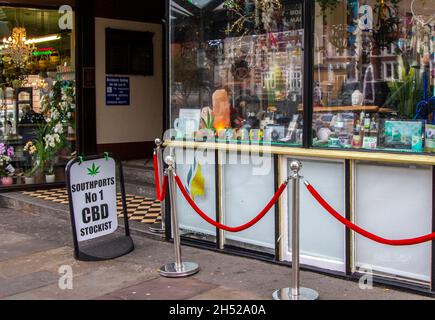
18 49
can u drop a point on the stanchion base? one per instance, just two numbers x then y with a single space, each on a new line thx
157 229
286 295
187 269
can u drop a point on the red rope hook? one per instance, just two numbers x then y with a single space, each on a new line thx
364 233
221 226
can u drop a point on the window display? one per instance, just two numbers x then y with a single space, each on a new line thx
37 96
239 63
374 75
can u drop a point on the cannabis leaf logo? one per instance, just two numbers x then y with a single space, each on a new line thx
94 170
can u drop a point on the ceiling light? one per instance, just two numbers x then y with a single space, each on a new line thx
43 39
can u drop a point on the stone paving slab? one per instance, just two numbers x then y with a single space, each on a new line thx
163 289
92 285
50 260
34 273
9 237
10 287
23 248
222 294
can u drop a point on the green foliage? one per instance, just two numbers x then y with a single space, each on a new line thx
406 94
51 136
209 123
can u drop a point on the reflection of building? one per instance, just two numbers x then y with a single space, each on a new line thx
336 69
268 69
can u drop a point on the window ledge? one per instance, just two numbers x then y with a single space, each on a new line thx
373 156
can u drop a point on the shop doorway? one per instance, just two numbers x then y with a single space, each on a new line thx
129 87
129 96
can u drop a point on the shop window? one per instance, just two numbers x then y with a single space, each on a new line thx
236 71
374 82
391 71
37 96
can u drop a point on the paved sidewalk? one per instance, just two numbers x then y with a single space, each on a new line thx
34 246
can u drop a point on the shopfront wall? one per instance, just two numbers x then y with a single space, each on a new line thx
137 123
128 130
62 85
345 88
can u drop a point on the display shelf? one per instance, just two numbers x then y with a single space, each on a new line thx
399 151
370 109
28 125
348 154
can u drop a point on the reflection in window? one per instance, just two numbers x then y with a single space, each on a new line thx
239 62
37 96
374 75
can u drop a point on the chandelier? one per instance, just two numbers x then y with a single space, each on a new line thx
17 49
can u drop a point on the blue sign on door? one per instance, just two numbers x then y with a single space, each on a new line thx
117 91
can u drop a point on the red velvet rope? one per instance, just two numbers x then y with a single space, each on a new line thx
221 226
161 193
371 236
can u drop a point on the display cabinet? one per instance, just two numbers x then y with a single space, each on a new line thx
347 88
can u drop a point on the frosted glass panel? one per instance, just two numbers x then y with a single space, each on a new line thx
189 220
322 238
248 189
395 203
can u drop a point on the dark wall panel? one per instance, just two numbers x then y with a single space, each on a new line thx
86 97
138 10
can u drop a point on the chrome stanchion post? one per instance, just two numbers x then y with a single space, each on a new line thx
179 269
160 228
296 292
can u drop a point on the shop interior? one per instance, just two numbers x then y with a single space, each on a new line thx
37 95
239 77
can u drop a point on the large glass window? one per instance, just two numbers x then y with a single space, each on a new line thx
236 70
37 95
374 75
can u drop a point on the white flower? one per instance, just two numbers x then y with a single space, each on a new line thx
50 141
58 129
57 137
55 115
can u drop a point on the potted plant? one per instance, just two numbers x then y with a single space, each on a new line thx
207 131
50 140
53 143
6 154
29 175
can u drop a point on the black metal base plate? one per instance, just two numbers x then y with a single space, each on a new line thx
106 250
157 229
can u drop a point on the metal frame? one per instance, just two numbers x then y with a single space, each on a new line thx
286 216
126 242
308 16
349 210
433 229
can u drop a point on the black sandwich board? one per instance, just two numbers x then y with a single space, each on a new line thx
91 183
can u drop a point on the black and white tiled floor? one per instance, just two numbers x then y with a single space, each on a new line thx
139 209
